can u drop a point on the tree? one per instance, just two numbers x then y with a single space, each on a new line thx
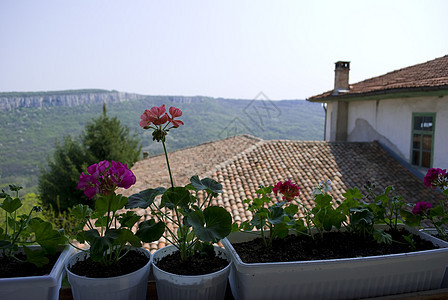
57 185
106 139
103 139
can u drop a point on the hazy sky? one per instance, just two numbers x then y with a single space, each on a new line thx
231 48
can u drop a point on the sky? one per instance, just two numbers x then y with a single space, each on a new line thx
229 49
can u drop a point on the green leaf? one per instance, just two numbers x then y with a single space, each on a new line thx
81 211
101 221
150 231
382 237
265 190
123 236
36 257
323 200
98 244
212 225
208 184
410 219
276 215
281 230
176 197
49 238
353 194
129 219
11 204
291 209
145 198
110 203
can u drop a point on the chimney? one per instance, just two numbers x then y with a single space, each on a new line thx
341 71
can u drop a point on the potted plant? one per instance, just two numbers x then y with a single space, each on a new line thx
318 255
425 212
32 253
192 267
115 266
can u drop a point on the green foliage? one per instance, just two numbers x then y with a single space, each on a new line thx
108 243
199 224
21 230
278 217
104 138
57 185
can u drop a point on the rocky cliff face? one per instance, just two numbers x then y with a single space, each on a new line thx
13 101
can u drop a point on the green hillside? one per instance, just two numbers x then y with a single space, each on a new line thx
28 135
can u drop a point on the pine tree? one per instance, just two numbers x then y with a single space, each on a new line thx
104 138
57 185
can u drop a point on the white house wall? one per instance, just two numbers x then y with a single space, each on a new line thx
389 121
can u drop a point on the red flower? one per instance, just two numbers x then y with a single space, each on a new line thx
155 115
421 207
175 112
288 189
158 116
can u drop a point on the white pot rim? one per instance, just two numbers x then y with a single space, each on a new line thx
76 255
223 270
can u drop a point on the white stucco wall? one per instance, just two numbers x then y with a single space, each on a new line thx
390 120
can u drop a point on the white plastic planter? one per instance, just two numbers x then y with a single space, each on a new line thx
36 287
173 286
131 286
349 278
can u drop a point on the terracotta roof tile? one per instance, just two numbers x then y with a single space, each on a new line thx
432 75
251 162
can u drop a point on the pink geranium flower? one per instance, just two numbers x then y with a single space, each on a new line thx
288 189
175 112
155 115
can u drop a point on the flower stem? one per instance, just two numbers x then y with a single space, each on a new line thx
168 164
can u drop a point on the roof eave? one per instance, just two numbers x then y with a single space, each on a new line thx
383 94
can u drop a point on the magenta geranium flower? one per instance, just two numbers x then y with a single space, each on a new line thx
104 178
421 207
288 189
436 177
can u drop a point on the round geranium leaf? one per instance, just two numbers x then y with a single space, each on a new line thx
208 184
144 198
176 197
211 225
150 231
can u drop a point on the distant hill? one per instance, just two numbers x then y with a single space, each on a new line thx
31 122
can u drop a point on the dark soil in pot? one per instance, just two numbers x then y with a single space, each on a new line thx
198 264
10 267
131 262
333 245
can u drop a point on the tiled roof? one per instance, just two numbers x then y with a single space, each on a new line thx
266 162
428 76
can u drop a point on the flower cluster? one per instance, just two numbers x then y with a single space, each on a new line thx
156 117
436 178
288 189
421 208
104 178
